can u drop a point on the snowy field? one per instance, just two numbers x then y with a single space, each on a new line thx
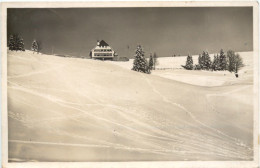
71 109
170 67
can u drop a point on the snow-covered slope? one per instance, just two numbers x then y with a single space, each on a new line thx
99 111
170 68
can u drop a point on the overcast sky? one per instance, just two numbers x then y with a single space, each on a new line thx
166 31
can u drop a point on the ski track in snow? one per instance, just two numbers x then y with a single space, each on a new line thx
62 103
87 146
91 115
73 117
55 99
164 135
60 143
119 109
238 142
123 112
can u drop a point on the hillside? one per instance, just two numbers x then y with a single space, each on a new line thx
170 68
99 111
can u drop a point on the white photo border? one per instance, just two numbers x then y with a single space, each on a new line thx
150 164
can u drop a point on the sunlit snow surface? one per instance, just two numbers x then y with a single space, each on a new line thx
170 67
71 109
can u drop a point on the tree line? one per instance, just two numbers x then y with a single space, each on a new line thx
15 43
230 61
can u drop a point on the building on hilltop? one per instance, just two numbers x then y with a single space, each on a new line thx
103 51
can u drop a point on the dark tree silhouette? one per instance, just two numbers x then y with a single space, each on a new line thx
16 43
11 43
35 46
222 60
140 63
189 63
207 61
235 62
20 44
155 60
216 63
151 62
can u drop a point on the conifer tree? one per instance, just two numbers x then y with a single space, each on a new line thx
216 63
231 60
16 43
35 47
155 60
218 67
11 43
199 65
222 60
202 60
207 61
151 62
235 62
238 63
189 63
213 66
140 63
20 44
199 59
16 40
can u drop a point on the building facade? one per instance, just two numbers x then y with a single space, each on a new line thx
102 51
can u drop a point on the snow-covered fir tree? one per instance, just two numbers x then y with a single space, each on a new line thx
238 63
16 39
218 67
207 61
140 64
189 63
20 44
231 60
199 65
16 43
235 62
202 60
35 47
216 63
151 62
11 43
222 60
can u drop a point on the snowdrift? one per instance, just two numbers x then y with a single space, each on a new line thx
99 111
